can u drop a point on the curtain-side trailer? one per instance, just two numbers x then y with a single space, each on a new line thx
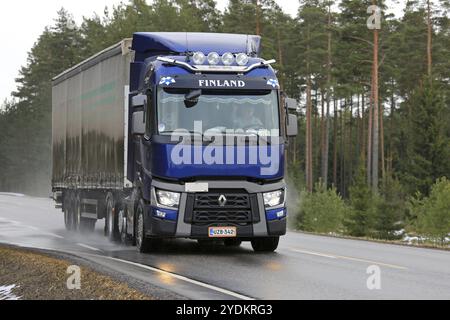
121 117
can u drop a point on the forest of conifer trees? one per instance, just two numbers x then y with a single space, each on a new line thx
373 155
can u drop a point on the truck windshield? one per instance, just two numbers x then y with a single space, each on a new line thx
222 112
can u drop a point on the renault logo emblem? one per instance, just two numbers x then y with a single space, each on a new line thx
222 201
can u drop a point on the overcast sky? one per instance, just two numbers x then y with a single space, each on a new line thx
22 21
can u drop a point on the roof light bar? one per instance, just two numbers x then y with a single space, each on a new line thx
216 68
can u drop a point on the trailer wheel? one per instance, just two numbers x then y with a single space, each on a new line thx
143 243
82 225
76 212
269 244
111 226
122 221
87 225
69 220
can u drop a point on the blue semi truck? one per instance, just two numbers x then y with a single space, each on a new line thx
173 135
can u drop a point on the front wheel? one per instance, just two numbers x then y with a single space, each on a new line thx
265 244
143 243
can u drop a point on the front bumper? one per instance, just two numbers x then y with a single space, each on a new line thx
184 225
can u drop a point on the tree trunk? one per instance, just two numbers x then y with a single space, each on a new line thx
335 144
429 40
326 148
350 142
258 17
363 127
309 158
383 163
309 178
342 166
369 139
322 135
376 135
280 60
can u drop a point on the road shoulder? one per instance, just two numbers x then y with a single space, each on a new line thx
32 274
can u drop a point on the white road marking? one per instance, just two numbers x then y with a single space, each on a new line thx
33 228
88 247
183 278
333 256
314 253
54 235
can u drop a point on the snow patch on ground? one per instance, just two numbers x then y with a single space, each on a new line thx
417 239
7 294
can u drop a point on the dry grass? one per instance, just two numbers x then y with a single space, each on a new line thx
41 277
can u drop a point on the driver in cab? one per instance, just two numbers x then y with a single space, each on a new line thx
246 119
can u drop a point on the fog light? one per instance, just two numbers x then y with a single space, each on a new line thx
280 214
160 214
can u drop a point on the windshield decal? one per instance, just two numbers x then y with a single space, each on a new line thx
221 83
273 82
167 81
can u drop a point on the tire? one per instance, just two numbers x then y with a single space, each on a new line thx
111 226
143 243
122 224
269 244
76 204
232 242
69 220
87 225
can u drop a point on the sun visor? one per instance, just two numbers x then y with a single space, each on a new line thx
155 43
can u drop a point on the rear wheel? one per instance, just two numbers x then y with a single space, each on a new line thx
143 243
111 226
122 222
69 220
269 244
87 225
77 213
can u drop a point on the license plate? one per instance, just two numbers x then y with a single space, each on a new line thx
222 232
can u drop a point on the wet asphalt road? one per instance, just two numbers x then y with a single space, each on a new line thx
304 266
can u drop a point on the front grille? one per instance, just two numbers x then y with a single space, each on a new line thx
241 217
222 207
211 201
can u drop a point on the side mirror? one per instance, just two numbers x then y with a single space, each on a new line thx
138 123
291 104
292 126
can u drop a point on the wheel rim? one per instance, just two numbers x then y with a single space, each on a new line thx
110 219
120 221
140 230
77 210
66 218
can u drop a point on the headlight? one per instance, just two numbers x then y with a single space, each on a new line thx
274 198
167 198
